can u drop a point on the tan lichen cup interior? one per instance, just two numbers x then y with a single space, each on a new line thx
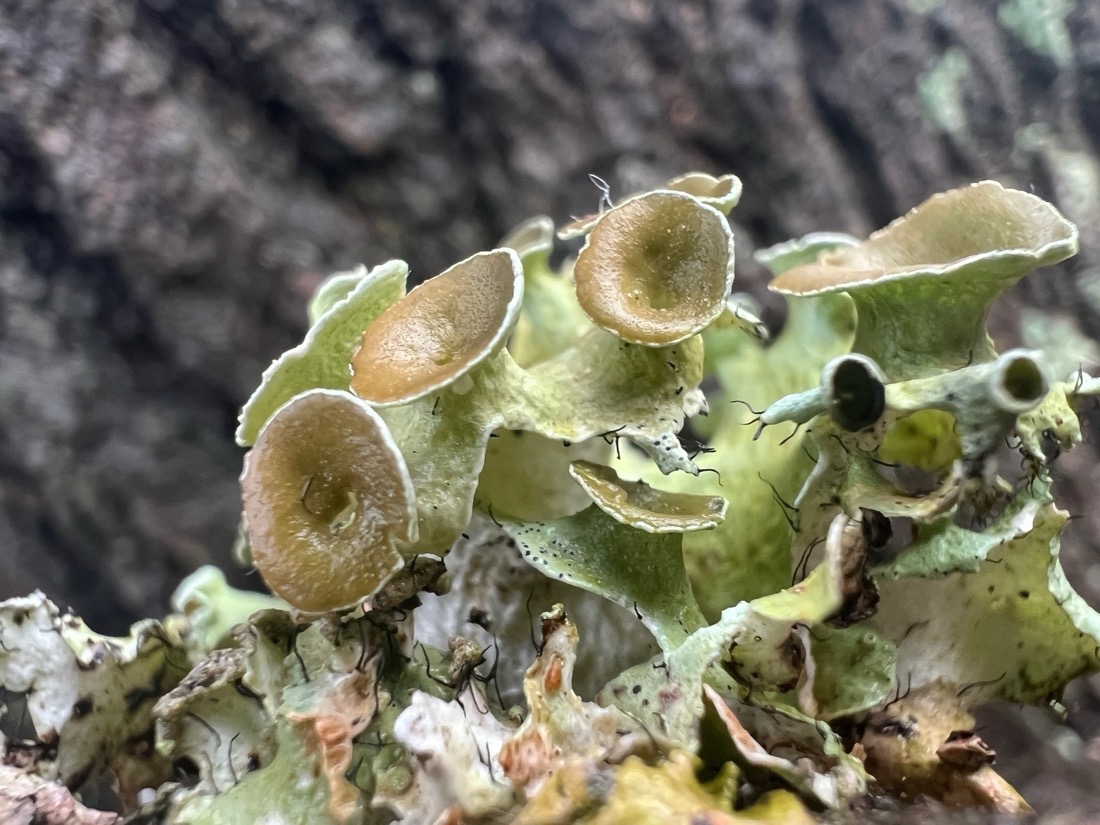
983 223
645 508
327 501
440 331
656 269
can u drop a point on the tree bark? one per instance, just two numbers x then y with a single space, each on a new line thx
179 174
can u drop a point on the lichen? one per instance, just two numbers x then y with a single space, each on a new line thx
923 285
88 698
941 92
728 631
1041 25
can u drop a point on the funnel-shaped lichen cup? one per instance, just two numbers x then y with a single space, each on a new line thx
923 285
656 270
328 502
441 331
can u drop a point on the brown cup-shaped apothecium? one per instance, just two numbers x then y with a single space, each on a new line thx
656 269
440 331
641 506
981 225
328 502
922 286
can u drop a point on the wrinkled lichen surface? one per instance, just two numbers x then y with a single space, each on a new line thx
526 570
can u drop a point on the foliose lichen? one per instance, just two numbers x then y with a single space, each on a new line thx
455 463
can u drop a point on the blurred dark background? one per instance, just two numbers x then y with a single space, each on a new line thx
177 175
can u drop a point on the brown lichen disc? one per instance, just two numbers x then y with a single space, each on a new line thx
439 331
327 501
656 269
980 224
637 504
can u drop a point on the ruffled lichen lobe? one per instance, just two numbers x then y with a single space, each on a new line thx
923 285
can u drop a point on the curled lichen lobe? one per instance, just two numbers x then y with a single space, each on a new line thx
440 331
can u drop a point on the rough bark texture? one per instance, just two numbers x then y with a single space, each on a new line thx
178 174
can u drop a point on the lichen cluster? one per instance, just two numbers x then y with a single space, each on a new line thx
731 631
